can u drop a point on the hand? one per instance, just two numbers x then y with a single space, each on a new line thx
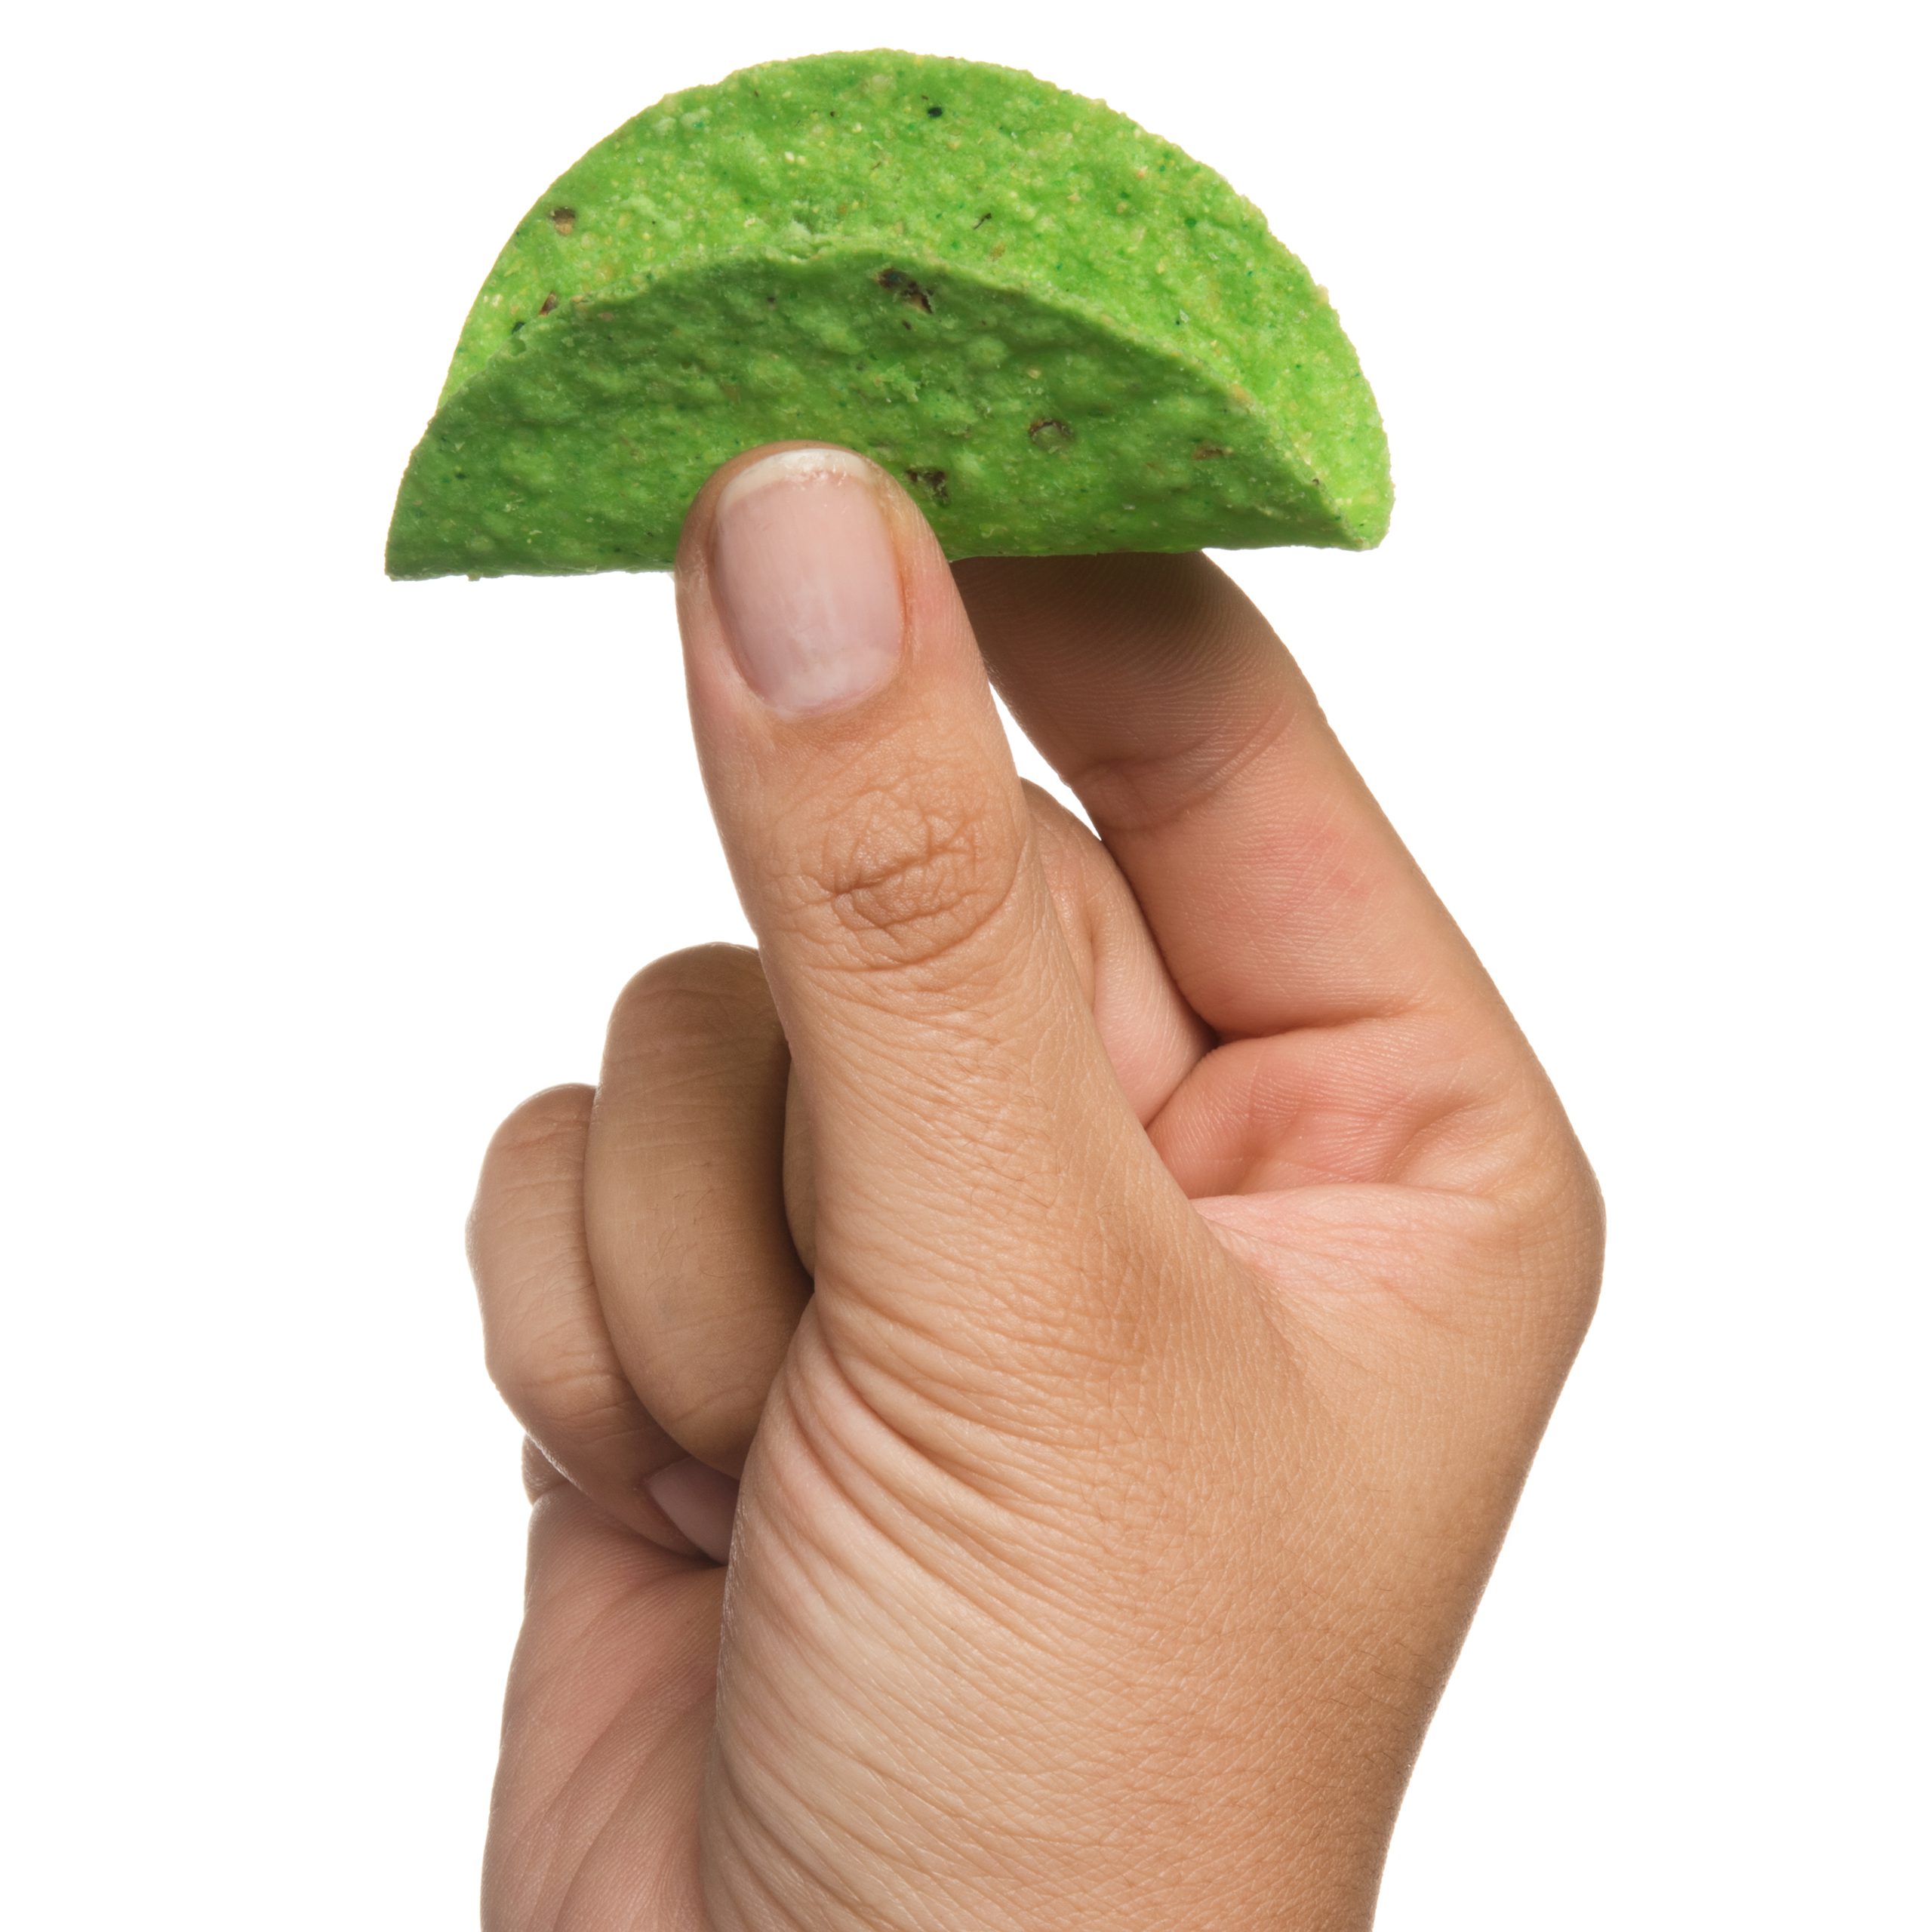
1130 1275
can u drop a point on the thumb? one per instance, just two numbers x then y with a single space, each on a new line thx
973 1155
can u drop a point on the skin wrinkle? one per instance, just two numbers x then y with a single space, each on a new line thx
913 1356
935 878
937 1256
1036 958
829 1460
958 1504
904 1793
582 1430
1121 780
628 1605
1420 1093
620 1816
533 1374
1001 1147
1313 1284
935 1084
860 1823
905 1371
734 1815
1107 938
1060 1347
1013 1830
901 1784
881 899
588 1769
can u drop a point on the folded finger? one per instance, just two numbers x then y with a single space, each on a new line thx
700 1284
1151 1036
544 1337
1279 894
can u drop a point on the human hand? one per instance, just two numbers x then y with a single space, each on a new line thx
1130 1274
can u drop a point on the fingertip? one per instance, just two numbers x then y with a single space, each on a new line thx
699 1502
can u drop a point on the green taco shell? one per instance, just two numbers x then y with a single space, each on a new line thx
1061 333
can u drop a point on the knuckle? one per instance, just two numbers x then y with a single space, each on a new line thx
570 1399
698 995
1585 1228
704 1362
905 880
540 1475
531 1173
1560 1225
554 1120
712 1421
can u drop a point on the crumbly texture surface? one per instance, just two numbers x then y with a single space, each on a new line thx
1062 333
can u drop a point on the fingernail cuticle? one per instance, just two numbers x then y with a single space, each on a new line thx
806 580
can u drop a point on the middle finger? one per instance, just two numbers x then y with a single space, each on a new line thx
684 1202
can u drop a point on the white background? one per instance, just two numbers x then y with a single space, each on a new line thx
310 877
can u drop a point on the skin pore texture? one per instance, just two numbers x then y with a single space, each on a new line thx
1058 331
1102 1288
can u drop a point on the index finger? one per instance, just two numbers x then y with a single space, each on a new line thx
1278 893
